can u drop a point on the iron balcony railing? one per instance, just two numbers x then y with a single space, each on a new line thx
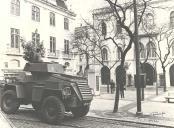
61 54
68 55
13 51
53 54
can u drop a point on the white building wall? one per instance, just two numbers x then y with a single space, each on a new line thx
26 26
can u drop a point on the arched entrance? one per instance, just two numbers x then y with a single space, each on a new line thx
105 76
120 75
150 73
171 75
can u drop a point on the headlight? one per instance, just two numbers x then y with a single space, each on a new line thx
66 91
2 84
92 91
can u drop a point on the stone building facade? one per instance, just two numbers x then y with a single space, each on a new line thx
47 21
160 14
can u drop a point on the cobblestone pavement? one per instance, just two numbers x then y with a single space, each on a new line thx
101 116
27 118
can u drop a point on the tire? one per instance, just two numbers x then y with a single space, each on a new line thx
80 111
9 102
36 106
52 110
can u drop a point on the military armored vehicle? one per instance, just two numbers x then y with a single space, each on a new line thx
49 90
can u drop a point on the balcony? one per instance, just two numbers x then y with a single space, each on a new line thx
69 56
14 51
52 54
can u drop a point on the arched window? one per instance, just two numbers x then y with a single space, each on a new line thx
150 18
104 28
105 54
142 51
151 49
15 7
149 21
172 19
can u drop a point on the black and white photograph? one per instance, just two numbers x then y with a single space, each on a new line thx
87 64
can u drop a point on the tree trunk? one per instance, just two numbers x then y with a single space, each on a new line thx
119 82
164 74
117 94
108 88
87 65
87 59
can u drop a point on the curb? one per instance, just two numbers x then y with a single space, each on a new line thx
130 121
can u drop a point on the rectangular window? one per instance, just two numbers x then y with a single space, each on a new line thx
52 44
15 7
66 23
172 19
66 46
35 13
52 19
35 37
15 38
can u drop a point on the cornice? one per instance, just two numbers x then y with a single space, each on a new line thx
107 9
55 7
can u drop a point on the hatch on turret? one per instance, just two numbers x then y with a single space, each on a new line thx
44 67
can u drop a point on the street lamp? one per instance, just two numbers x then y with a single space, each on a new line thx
136 42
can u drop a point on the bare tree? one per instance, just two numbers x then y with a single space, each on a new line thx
89 44
82 43
164 39
121 12
120 28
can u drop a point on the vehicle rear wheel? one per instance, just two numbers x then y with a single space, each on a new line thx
52 110
9 102
80 111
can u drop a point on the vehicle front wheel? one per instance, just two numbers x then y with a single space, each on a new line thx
80 111
52 110
9 102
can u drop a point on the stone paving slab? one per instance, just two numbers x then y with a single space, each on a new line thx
156 110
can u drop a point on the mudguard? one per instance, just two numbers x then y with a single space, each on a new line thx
20 91
37 93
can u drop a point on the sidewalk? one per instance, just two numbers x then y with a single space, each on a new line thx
156 110
4 123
